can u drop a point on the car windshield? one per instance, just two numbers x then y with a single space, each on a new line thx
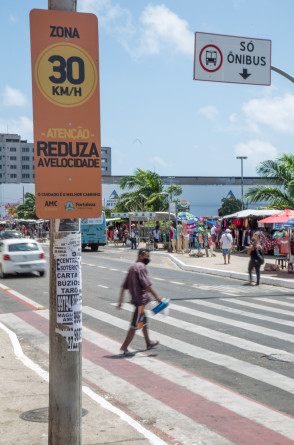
11 233
22 247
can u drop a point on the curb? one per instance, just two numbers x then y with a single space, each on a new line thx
230 274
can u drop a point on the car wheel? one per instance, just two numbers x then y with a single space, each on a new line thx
2 274
42 273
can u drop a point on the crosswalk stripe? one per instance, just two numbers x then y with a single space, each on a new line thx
210 333
278 302
253 371
230 400
241 324
257 306
209 304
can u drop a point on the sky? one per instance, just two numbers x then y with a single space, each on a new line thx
154 116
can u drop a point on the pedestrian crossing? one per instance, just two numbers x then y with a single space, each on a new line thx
187 386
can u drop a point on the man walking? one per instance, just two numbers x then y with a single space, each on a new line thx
139 286
226 244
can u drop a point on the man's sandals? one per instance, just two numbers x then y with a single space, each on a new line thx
153 344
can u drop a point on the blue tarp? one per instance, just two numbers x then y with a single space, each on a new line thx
211 222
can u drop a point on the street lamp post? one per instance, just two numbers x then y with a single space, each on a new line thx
242 179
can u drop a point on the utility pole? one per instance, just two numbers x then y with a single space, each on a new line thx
65 365
242 179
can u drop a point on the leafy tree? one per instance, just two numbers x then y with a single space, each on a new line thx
27 210
230 206
280 173
145 192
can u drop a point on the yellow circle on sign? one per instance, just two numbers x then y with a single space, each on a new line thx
66 74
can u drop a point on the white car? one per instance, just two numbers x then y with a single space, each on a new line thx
21 256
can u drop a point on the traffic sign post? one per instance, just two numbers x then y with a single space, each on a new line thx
220 58
68 185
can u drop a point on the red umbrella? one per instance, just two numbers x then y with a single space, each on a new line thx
281 217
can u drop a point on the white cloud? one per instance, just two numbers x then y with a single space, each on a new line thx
157 29
13 97
256 150
22 126
210 112
158 161
274 112
12 18
161 28
233 118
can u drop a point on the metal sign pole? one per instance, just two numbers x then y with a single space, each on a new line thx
65 365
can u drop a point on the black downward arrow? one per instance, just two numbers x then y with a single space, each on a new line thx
244 74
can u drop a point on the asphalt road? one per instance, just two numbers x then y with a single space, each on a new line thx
237 339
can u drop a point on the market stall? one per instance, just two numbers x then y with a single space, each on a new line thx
245 224
280 237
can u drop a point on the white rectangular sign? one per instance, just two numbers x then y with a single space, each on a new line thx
219 58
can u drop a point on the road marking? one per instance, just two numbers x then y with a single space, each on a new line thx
219 307
152 438
176 282
258 306
243 325
115 270
278 302
210 333
255 412
253 371
101 285
158 279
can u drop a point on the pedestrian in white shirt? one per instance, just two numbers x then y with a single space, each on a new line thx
226 244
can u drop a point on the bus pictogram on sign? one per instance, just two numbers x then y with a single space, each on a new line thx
211 58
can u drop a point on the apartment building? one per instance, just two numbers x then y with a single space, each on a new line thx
17 160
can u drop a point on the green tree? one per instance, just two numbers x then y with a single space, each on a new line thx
145 192
27 210
280 173
230 206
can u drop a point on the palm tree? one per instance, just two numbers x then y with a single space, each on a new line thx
145 192
280 173
27 210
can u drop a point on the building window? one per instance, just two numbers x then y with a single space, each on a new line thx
12 148
104 169
13 175
25 167
25 158
25 175
13 167
103 152
12 140
13 158
103 160
25 149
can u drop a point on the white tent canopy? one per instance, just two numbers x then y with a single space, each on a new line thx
249 213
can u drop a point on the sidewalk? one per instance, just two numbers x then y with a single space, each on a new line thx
24 387
238 268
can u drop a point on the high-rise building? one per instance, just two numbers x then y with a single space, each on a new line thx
17 160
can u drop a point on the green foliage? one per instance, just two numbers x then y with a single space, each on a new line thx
230 206
27 210
280 194
145 192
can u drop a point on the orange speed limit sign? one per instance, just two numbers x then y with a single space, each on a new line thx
67 147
